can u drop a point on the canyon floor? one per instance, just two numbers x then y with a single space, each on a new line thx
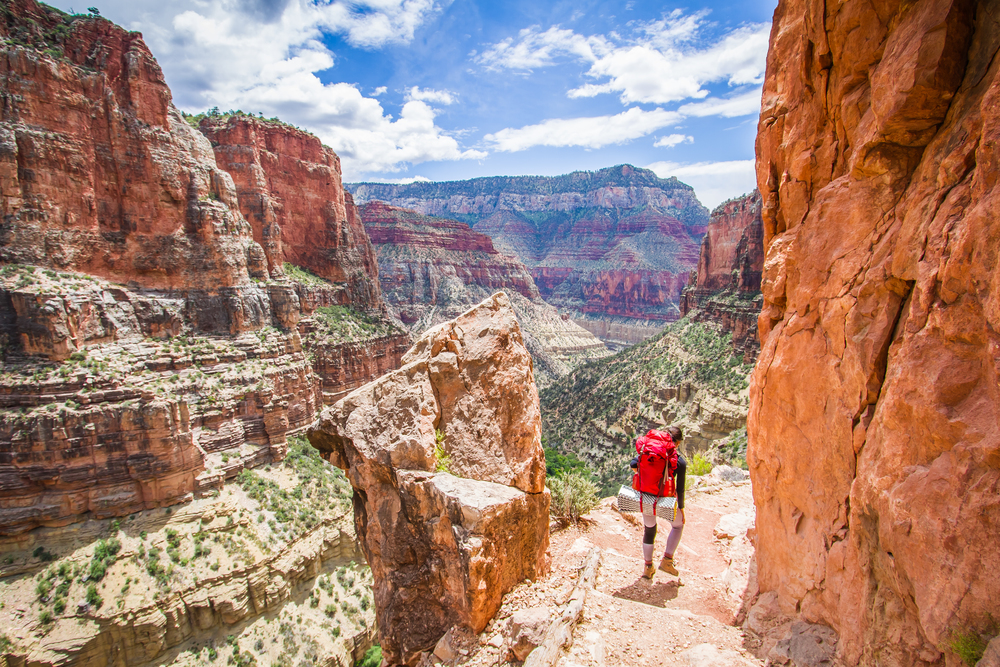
628 620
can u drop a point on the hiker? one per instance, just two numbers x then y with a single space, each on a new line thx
676 526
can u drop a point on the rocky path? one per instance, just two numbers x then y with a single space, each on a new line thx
627 620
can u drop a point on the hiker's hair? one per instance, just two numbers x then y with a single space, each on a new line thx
676 433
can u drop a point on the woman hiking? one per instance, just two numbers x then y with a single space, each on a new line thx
677 525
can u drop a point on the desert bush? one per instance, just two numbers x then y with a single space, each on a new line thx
573 495
441 458
699 466
373 657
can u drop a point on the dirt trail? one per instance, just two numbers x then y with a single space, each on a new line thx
628 620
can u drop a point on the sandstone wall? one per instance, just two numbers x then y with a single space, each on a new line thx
289 189
99 172
873 434
726 287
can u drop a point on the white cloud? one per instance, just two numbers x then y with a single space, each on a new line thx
266 55
534 49
745 104
592 132
664 61
430 95
713 182
379 91
672 140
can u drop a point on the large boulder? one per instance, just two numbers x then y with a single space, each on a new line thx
448 472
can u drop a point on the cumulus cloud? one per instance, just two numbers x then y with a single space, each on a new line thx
663 61
266 56
590 132
379 91
672 140
713 182
430 95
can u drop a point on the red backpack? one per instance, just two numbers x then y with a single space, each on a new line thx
657 464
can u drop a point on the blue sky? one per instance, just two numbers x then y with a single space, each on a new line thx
440 90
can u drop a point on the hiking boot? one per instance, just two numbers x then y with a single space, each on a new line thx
667 565
648 571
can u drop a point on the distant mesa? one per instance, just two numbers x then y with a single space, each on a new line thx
612 248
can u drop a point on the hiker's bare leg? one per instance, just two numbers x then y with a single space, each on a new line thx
674 538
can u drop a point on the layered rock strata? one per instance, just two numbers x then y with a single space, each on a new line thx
726 287
873 440
614 245
432 269
451 522
289 189
109 418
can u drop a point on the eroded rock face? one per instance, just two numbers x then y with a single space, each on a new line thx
99 172
611 246
874 404
726 286
445 546
289 189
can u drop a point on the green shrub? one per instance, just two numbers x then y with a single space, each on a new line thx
45 617
699 466
105 553
573 495
969 645
93 598
441 458
373 657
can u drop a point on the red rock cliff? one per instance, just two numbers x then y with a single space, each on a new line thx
99 172
726 286
873 434
732 252
290 190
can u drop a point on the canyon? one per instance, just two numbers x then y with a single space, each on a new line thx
433 269
612 249
693 374
184 298
177 304
873 406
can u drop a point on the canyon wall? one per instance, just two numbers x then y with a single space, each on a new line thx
99 172
612 248
148 352
289 189
873 439
433 269
726 286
